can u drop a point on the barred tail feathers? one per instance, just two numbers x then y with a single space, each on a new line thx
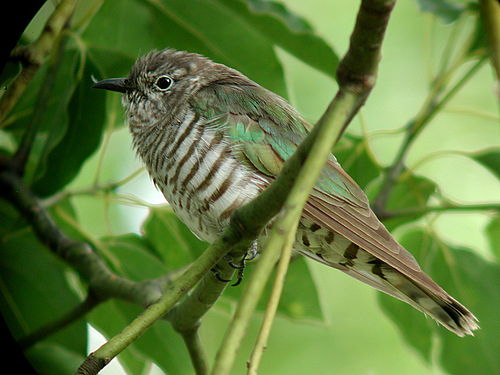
444 309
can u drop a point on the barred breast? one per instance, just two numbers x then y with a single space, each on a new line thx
195 168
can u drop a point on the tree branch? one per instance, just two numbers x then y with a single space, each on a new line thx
102 283
490 13
272 306
356 76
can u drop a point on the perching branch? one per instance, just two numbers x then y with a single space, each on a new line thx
356 76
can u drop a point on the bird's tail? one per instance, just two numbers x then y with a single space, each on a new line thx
443 308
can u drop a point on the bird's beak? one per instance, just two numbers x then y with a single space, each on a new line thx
113 84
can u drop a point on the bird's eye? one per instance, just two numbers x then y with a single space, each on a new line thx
164 83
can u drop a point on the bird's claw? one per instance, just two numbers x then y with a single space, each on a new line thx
251 254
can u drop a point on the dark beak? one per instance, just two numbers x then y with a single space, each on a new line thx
113 84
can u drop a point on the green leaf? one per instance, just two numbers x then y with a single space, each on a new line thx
493 233
171 238
33 280
80 140
447 10
160 343
44 107
51 359
411 323
490 159
184 25
51 109
300 298
474 282
478 44
135 256
287 30
10 71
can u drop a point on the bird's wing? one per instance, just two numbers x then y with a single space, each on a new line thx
265 133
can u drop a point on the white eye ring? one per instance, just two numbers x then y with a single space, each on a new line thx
163 83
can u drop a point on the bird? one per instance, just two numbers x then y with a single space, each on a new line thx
212 140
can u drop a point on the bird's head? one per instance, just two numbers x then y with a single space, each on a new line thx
161 82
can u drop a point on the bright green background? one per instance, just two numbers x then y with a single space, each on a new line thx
355 335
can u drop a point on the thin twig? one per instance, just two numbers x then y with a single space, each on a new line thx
186 316
195 349
272 306
411 211
50 201
431 107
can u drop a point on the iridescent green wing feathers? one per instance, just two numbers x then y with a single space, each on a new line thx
265 131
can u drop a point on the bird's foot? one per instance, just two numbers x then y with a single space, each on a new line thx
251 254
217 275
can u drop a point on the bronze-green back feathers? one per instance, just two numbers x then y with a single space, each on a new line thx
264 131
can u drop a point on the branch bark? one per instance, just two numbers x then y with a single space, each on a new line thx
490 13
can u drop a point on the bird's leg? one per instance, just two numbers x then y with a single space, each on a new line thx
252 252
238 266
249 255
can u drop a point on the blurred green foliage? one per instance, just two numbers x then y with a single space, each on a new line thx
327 323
